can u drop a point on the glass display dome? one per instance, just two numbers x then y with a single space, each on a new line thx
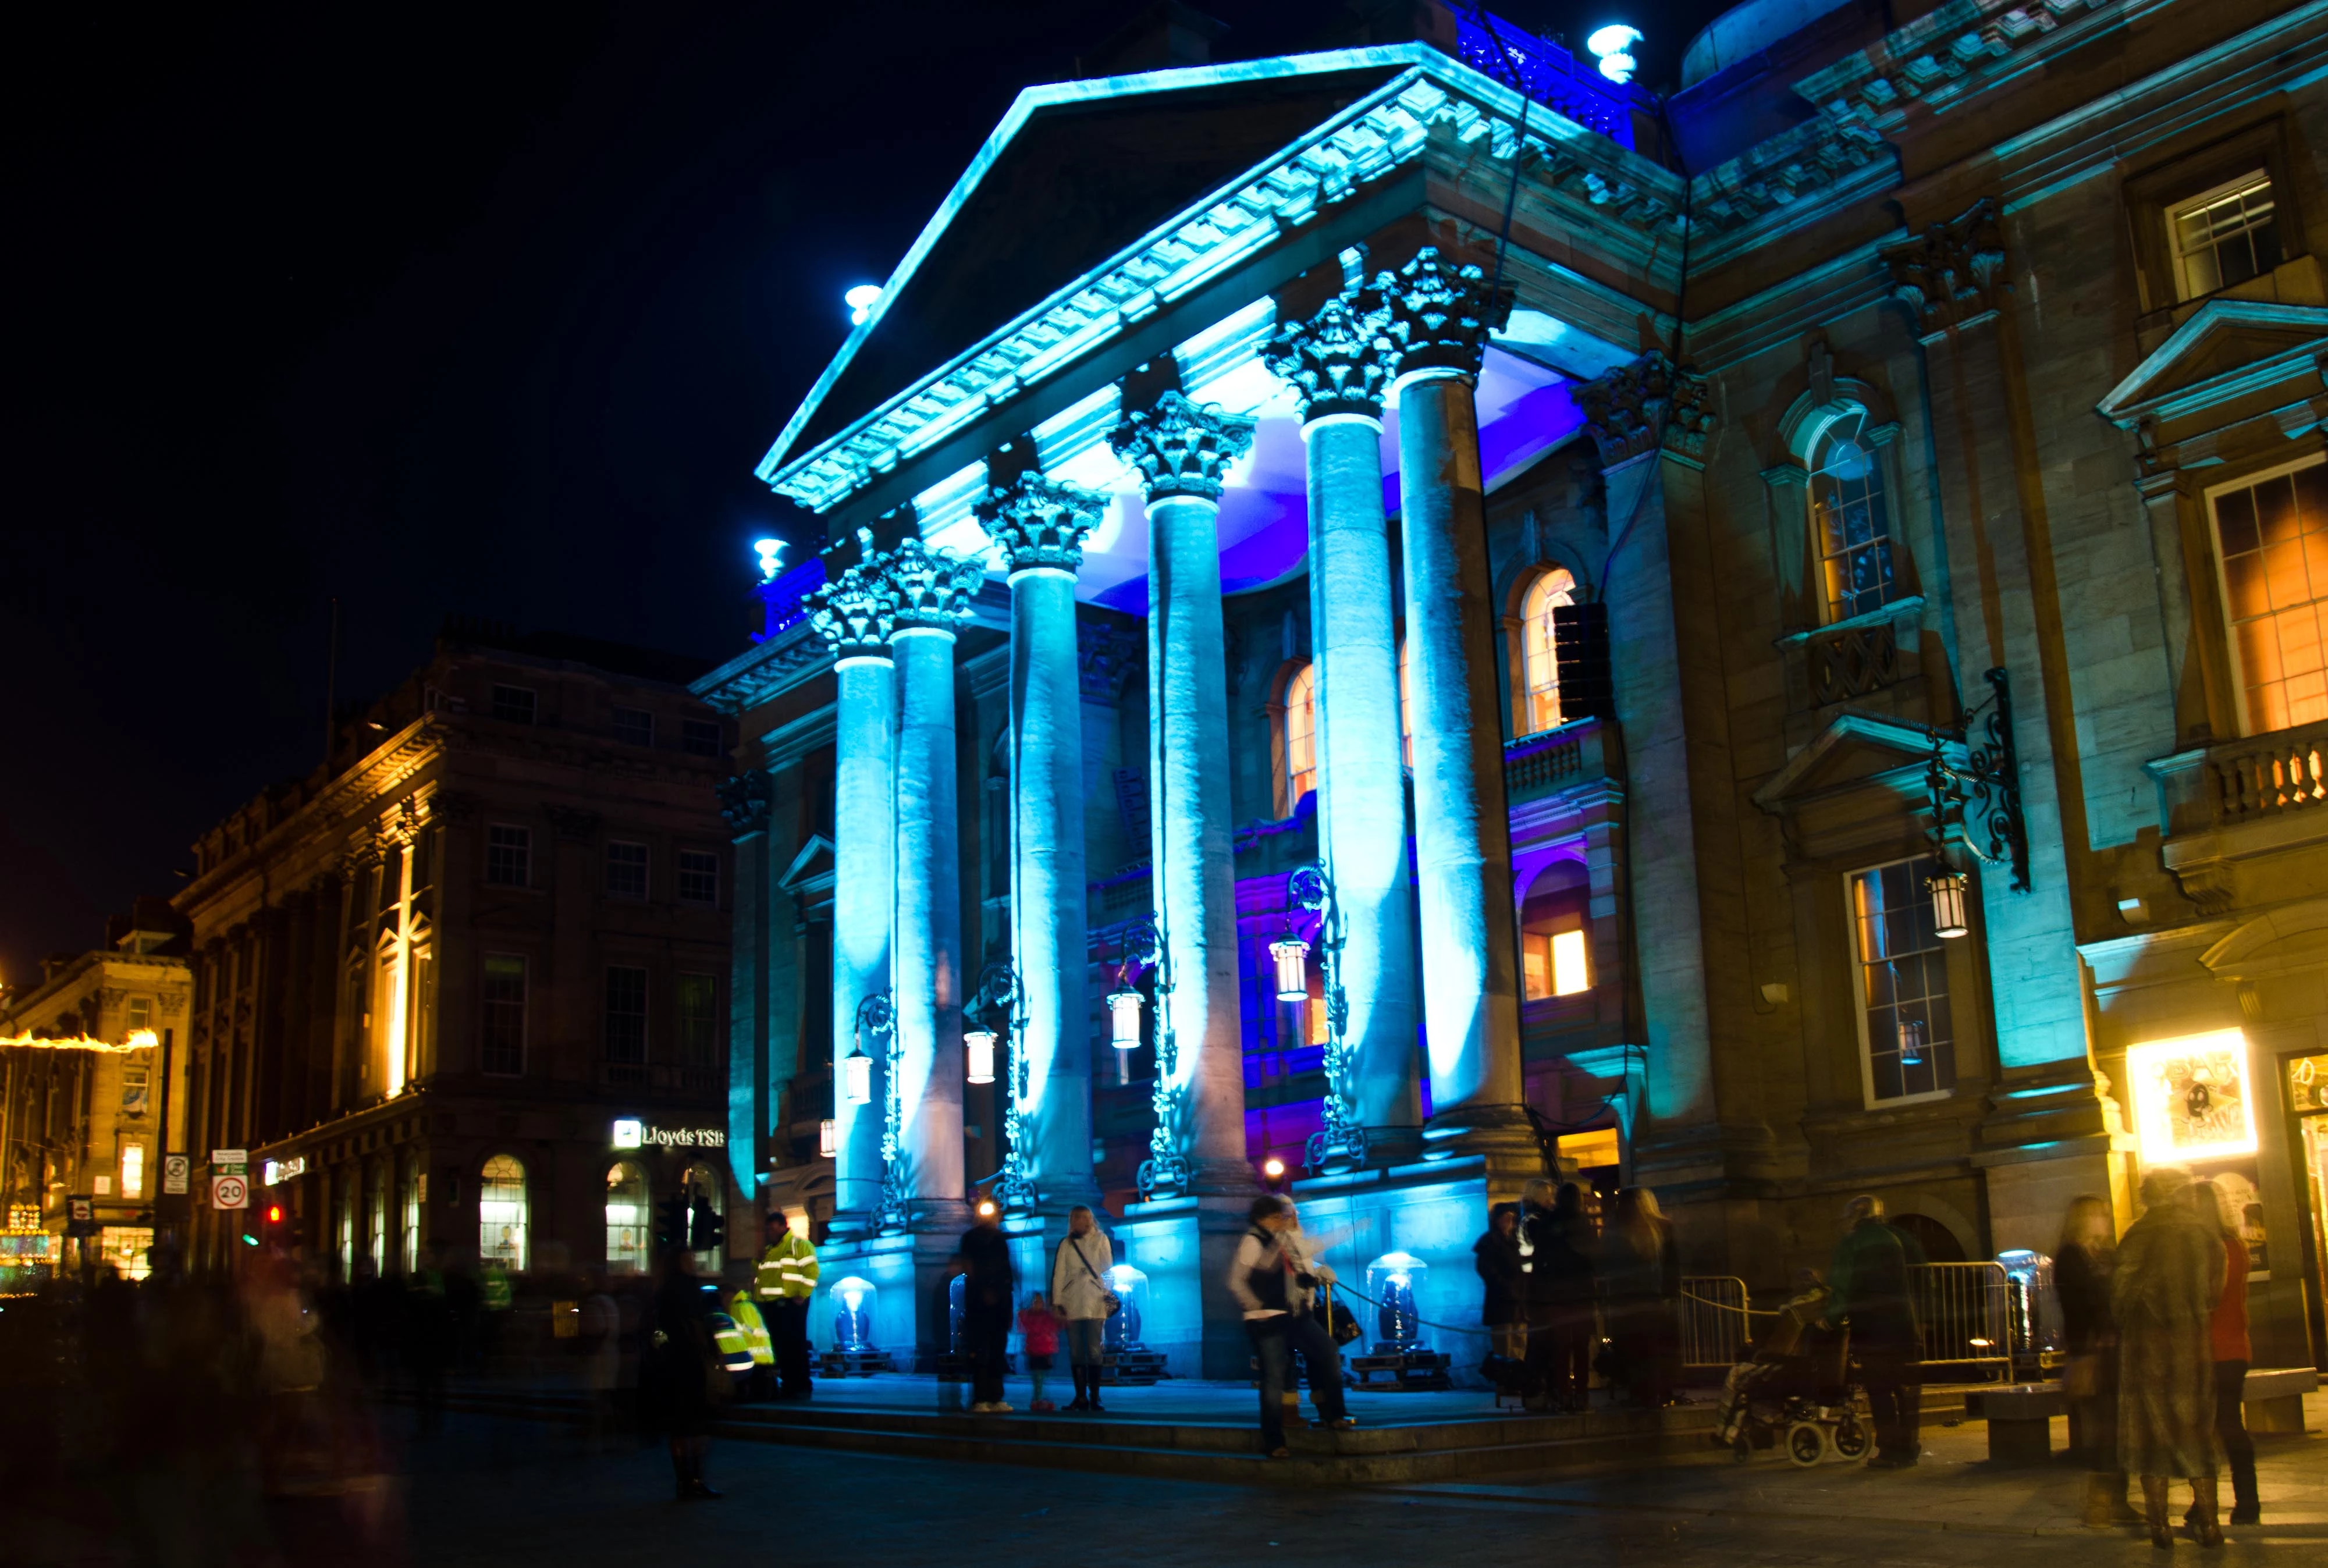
2033 1308
1394 1281
1131 1287
852 1313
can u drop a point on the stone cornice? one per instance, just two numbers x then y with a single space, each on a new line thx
1439 313
765 671
1036 522
1180 447
1339 361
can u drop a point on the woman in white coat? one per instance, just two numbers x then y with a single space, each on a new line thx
1080 1296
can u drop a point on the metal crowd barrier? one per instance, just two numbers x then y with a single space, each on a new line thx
1714 1321
1966 1312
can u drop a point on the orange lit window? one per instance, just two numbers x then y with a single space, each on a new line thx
1539 702
2273 534
1300 734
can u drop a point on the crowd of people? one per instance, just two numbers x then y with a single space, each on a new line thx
1565 1295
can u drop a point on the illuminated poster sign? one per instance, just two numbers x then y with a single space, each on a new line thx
2190 1098
632 1133
277 1172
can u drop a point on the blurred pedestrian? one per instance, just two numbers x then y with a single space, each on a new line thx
431 1340
2083 1261
1503 1281
1559 1297
2227 1330
1039 1340
1266 1277
2170 1275
1868 1286
1640 1269
600 1335
1308 1334
989 1285
1081 1298
686 1379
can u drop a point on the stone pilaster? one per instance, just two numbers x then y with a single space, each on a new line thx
1340 361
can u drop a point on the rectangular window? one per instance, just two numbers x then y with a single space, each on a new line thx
513 704
2272 538
698 876
699 1020
503 1049
141 1012
700 736
508 856
626 1014
2225 236
627 870
133 1171
1908 1045
1554 964
136 1092
633 727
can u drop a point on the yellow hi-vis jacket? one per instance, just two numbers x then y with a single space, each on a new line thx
787 1270
755 1327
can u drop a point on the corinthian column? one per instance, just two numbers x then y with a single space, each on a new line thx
930 592
852 613
1339 361
1440 315
1182 451
1038 528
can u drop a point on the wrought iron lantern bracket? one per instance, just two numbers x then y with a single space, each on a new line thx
1972 787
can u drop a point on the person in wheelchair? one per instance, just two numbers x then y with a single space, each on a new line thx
1790 1356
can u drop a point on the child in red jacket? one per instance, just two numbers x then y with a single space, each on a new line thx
1038 1332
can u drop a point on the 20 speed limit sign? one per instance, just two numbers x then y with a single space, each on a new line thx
230 1192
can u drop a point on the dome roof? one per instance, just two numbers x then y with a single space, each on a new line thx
1747 30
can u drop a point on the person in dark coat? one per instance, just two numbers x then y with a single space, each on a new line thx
1559 1296
2232 1350
989 1286
2083 1261
687 1379
1869 1282
1640 1269
1503 1304
2170 1275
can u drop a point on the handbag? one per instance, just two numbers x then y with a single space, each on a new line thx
1341 1324
1115 1302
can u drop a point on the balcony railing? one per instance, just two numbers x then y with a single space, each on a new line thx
1558 759
2285 771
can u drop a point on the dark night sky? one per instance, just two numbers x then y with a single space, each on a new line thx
465 308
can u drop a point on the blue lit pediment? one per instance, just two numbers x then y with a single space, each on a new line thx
2229 350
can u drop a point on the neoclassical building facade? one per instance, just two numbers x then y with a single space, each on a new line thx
1416 613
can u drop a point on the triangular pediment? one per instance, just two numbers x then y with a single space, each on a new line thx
2229 349
1855 749
811 870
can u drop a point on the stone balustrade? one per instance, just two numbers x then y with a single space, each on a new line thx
2265 774
1542 764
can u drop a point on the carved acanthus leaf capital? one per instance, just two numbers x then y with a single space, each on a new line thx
1181 448
743 802
1644 406
1952 273
929 589
852 612
1340 359
1439 313
1036 522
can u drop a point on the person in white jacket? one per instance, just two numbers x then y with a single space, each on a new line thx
1081 1297
1273 1281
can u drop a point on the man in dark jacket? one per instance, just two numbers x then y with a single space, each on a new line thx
1869 1285
1559 1296
989 1286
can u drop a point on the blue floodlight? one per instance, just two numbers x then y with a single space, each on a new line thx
860 301
770 558
1612 46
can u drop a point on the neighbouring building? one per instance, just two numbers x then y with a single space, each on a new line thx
1419 612
466 985
93 1102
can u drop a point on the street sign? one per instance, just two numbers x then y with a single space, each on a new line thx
235 1157
230 1192
80 1208
175 1169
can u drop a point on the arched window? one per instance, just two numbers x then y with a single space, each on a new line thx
628 1222
1555 945
503 1213
1539 672
376 1216
1300 734
1849 519
411 1201
1405 705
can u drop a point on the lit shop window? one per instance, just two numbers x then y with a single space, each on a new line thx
503 1213
627 1220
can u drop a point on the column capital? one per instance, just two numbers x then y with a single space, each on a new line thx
1650 403
1952 274
930 589
1340 359
743 802
1036 522
852 613
1180 447
1439 313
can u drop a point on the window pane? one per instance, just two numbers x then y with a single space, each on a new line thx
1300 734
1903 982
1539 672
698 876
2271 539
513 704
502 1213
1851 520
502 1047
633 727
627 870
700 736
699 1020
509 853
2226 236
626 1015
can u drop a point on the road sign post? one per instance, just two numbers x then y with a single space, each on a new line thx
230 1192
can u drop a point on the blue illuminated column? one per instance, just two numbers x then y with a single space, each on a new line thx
930 591
1038 528
1440 317
1181 451
852 613
1339 361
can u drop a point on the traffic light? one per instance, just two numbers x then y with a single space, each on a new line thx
671 1222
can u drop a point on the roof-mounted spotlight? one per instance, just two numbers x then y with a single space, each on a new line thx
861 299
770 552
1612 46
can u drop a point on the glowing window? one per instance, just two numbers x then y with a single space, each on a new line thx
503 1213
1539 704
141 1012
1406 706
1555 944
2225 236
1853 526
2273 536
133 1171
409 1201
1908 1048
628 1222
1300 734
